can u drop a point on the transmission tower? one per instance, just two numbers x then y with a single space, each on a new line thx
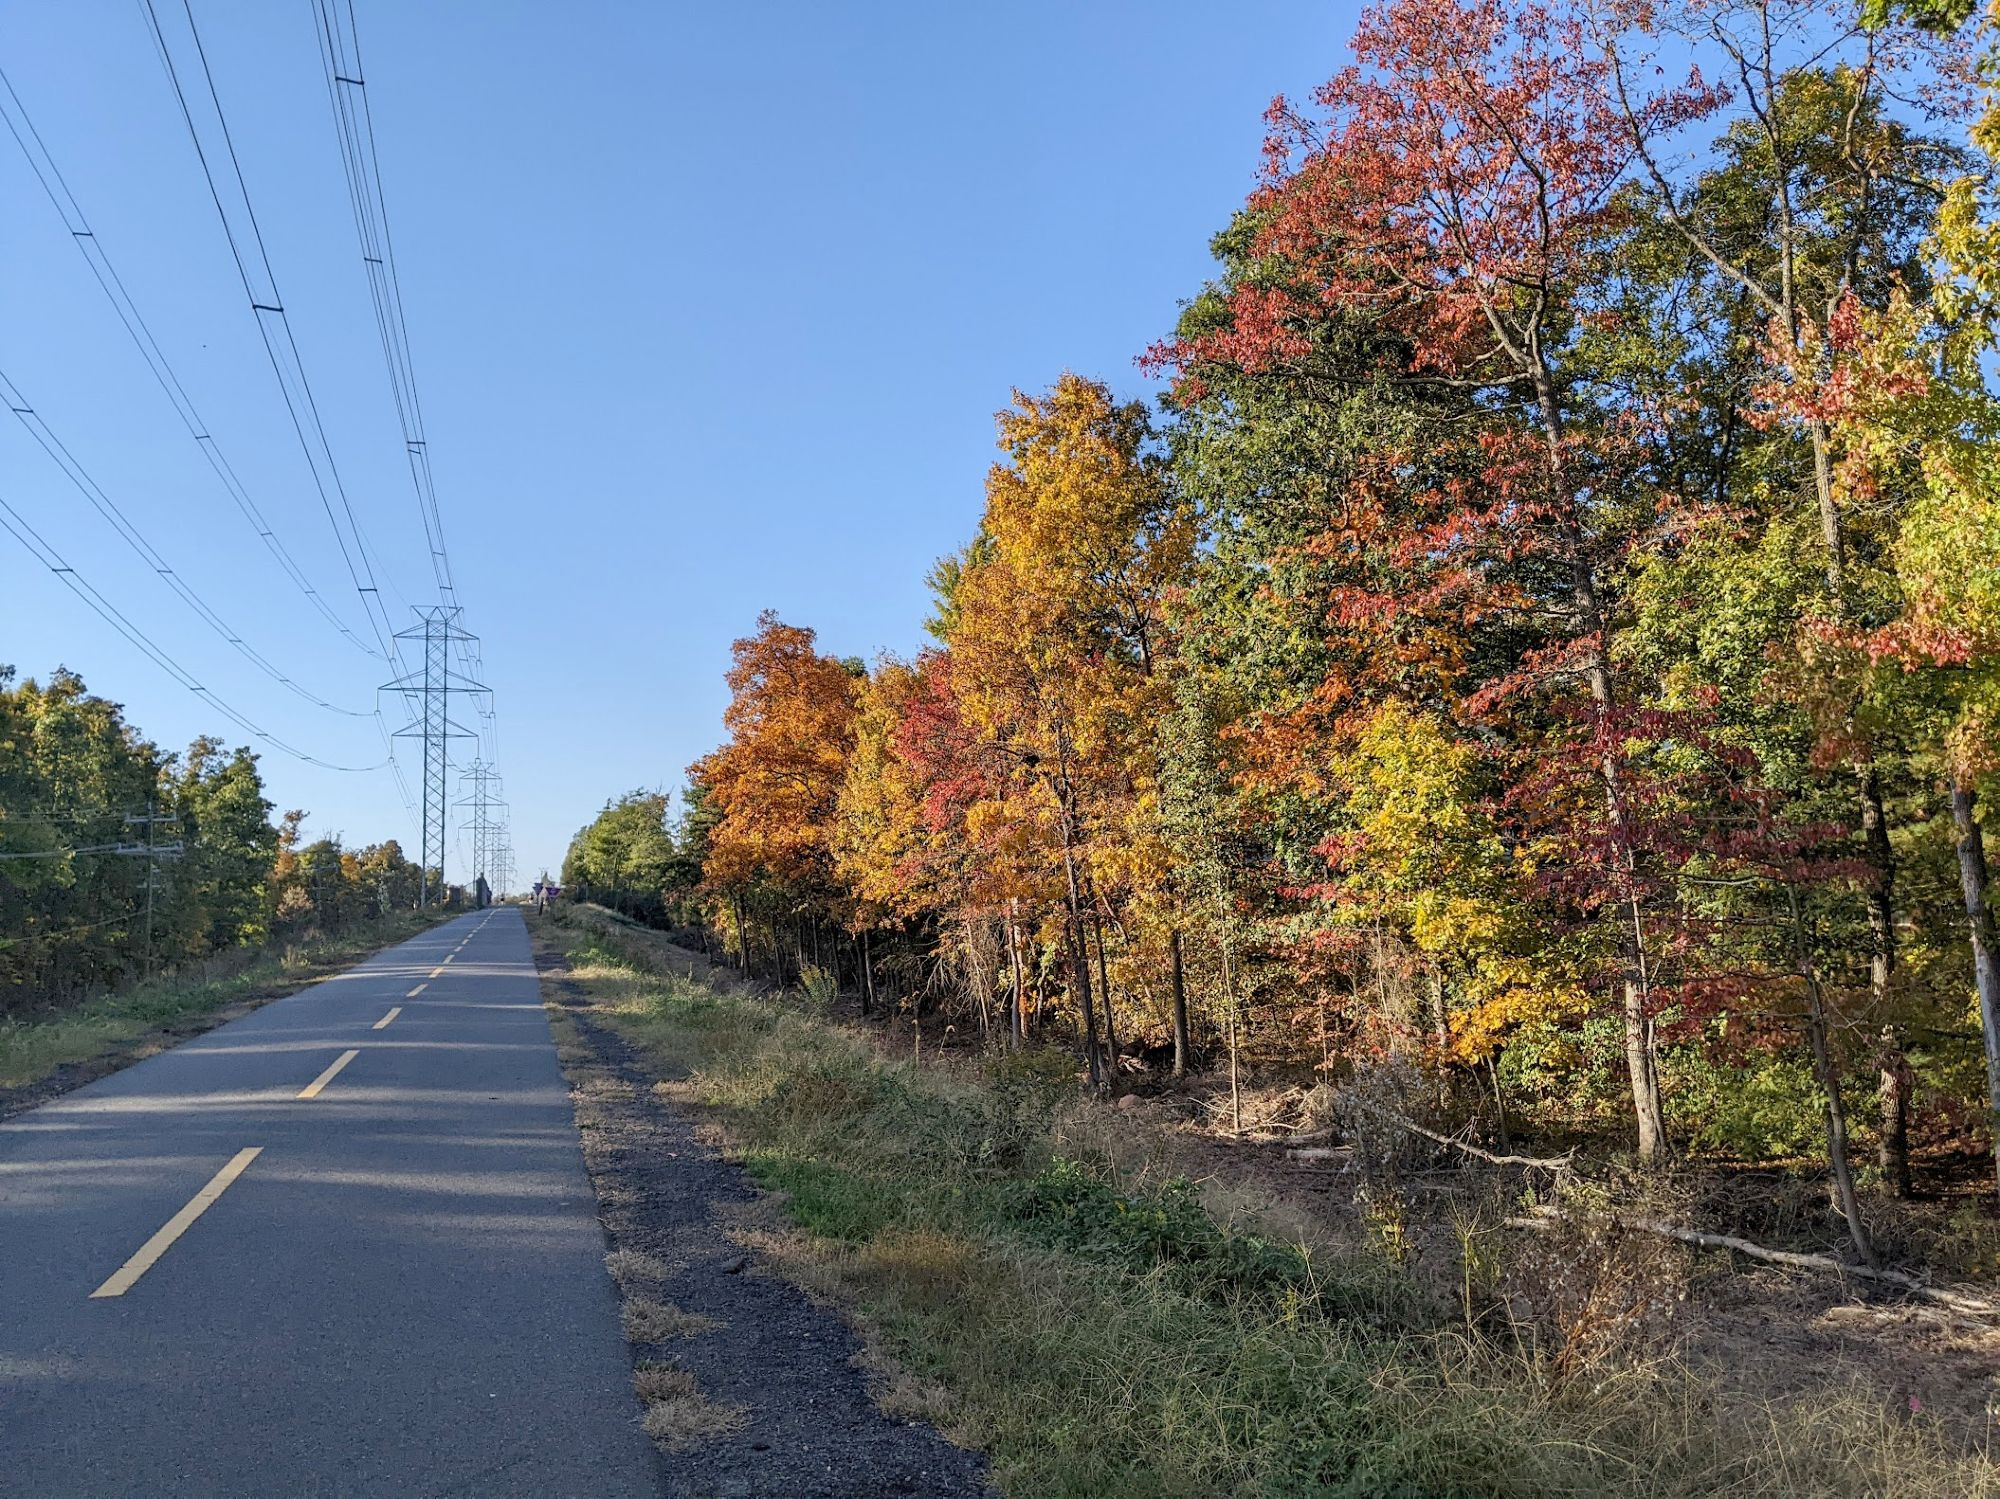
487 823
429 689
503 864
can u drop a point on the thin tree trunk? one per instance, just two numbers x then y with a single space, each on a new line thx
1641 1060
1079 968
742 937
1985 944
1881 886
1499 1099
867 979
1181 1047
1829 1082
1017 1001
1642 1056
1229 1004
1110 1025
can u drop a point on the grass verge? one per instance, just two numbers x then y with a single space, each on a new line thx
1116 1341
45 1054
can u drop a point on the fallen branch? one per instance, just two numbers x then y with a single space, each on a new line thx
1542 1217
1540 1163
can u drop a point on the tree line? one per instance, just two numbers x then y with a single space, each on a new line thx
118 859
1545 633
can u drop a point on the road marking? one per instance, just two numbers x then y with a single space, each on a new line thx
437 970
416 991
394 1011
447 958
150 1251
312 1089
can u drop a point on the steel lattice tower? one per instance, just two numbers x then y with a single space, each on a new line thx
503 864
487 829
429 689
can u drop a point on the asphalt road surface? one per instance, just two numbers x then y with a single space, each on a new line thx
341 1246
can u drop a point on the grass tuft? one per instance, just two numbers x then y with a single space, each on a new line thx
650 1321
678 1416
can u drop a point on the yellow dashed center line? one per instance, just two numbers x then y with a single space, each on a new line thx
394 1011
437 970
312 1089
416 991
150 1251
448 957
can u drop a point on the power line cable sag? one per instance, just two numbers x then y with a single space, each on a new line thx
147 552
354 125
300 405
340 50
42 163
267 306
13 522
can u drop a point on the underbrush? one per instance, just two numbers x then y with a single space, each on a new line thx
1106 1336
34 1047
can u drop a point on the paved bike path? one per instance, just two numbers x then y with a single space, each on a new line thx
400 1293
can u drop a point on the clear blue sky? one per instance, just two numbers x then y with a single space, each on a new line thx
711 307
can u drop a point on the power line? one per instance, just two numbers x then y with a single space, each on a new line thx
64 853
85 238
340 50
354 125
13 522
148 553
267 306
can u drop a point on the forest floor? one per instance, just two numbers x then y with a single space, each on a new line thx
1756 1330
46 1053
1044 1290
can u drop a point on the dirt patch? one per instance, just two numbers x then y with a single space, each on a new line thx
769 1398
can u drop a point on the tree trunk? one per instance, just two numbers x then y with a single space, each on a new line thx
1499 1098
1229 1003
1893 1153
1829 1082
1110 1024
742 937
1642 1067
1180 1005
1079 969
1881 886
1017 1002
1641 1059
1985 944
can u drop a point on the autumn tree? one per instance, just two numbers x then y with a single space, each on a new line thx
775 785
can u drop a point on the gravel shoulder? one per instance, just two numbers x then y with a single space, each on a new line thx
753 1390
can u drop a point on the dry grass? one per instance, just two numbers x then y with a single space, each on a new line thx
678 1416
635 1271
650 1321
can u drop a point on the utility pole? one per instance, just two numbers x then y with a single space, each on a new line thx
152 851
429 690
